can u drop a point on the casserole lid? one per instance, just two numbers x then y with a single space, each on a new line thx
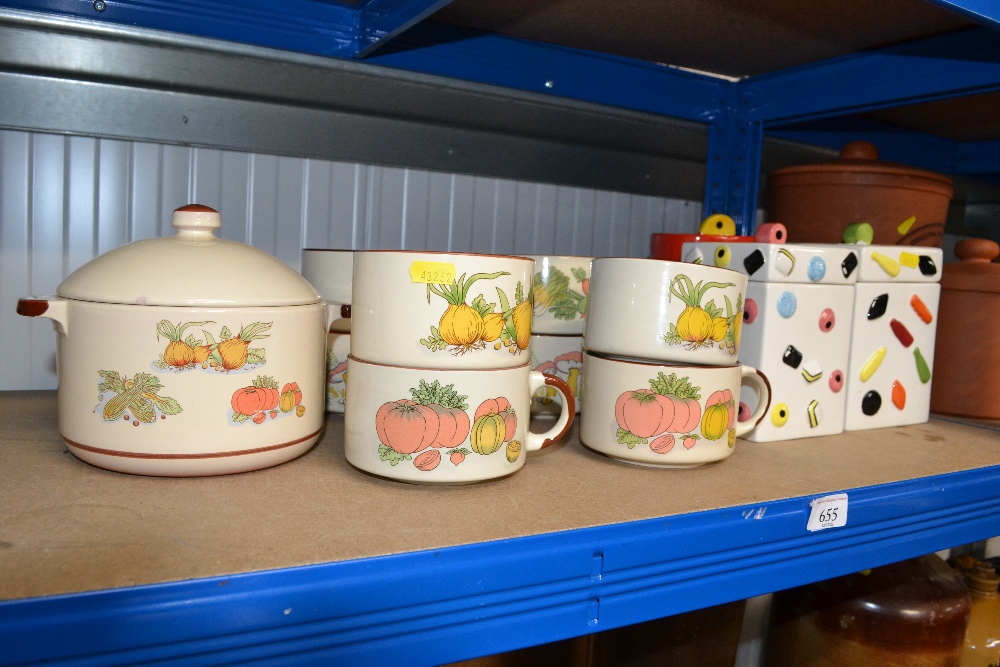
859 159
975 271
193 267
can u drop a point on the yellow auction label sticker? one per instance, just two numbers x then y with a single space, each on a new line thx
440 273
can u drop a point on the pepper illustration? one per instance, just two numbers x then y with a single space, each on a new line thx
261 399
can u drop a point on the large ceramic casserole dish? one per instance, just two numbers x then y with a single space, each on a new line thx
187 355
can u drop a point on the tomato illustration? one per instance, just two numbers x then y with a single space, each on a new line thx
644 413
406 426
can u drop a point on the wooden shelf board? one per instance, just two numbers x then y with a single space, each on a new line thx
68 527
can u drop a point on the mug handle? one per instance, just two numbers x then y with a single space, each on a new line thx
759 381
536 381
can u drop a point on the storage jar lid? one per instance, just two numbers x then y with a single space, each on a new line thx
859 160
975 271
193 267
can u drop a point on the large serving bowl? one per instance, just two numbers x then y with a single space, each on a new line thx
187 355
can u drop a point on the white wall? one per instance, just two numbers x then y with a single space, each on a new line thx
66 199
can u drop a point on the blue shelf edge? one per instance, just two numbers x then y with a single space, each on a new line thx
442 605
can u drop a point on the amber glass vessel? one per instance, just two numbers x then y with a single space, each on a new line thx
982 638
908 614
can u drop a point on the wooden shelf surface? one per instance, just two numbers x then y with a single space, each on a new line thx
68 527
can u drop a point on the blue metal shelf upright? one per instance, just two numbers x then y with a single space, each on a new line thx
486 597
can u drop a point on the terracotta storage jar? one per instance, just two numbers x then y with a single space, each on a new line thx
968 334
909 614
816 202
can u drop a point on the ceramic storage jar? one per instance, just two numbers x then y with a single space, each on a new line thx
187 355
968 333
796 330
892 336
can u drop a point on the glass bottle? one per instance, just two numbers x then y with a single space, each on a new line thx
982 637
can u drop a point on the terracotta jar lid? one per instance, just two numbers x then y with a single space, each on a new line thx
859 160
193 267
975 271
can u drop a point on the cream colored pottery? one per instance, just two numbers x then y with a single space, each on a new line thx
560 292
441 310
665 415
187 355
331 273
561 356
665 311
338 348
444 426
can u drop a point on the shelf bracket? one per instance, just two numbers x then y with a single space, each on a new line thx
381 20
984 12
732 176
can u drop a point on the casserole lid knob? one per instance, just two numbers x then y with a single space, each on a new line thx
193 219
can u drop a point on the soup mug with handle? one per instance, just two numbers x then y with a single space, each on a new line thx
665 415
441 310
561 356
560 290
331 273
338 348
665 311
445 426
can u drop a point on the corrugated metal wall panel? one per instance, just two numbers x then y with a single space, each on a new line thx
66 199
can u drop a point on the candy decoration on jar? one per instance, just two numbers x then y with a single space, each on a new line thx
878 306
923 368
921 309
871 403
903 334
888 264
874 361
898 394
771 232
718 224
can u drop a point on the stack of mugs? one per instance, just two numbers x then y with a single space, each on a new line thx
331 273
560 292
438 377
661 380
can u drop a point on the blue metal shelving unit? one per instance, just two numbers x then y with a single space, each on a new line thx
502 595
738 113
